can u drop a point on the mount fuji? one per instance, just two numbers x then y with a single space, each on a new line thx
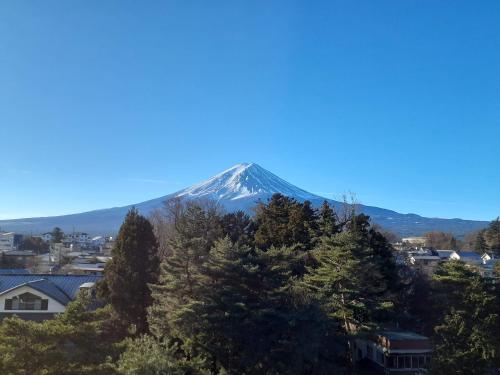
240 187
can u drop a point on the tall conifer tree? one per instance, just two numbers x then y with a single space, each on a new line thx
134 265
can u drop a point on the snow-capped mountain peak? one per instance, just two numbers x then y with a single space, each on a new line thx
243 181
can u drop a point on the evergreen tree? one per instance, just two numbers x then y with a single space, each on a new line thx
348 281
327 220
242 315
147 356
239 227
133 266
492 235
480 245
285 222
467 335
34 243
71 344
57 235
179 279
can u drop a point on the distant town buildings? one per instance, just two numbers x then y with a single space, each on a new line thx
77 253
426 260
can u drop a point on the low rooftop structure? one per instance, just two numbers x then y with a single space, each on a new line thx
396 352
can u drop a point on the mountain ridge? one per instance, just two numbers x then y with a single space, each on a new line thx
240 187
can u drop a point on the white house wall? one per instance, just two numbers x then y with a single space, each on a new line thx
53 305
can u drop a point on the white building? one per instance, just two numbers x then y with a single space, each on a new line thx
79 238
445 254
10 241
39 297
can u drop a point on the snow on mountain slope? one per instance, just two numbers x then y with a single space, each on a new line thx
243 181
240 187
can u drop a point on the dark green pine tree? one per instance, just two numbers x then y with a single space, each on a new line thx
327 220
285 222
480 245
352 278
239 227
57 235
246 319
493 235
134 265
467 333
180 276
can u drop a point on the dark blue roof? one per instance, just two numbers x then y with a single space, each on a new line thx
62 288
17 271
469 254
50 289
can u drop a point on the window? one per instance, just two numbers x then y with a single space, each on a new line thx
26 301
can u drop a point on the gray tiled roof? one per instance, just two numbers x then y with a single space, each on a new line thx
63 288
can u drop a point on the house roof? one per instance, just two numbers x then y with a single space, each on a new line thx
13 271
426 257
20 253
469 254
402 335
445 253
62 288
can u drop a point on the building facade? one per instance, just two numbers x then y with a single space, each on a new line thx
396 352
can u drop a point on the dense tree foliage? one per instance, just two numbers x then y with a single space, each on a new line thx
492 236
134 265
147 356
241 302
442 240
467 333
73 343
285 222
34 243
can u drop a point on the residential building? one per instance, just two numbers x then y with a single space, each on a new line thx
469 257
396 352
10 241
488 257
47 237
445 254
40 296
78 238
425 263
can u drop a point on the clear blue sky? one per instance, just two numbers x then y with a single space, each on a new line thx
107 103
